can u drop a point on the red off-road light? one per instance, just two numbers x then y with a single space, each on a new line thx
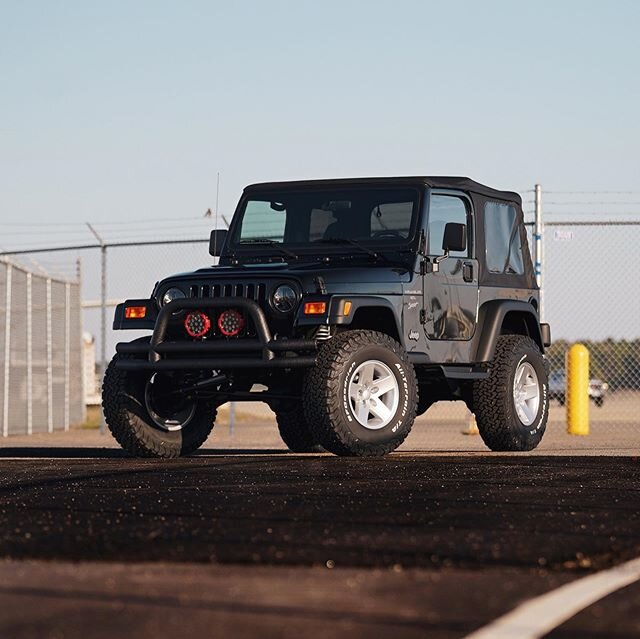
197 324
231 322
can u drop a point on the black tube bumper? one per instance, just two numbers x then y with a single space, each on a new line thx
239 353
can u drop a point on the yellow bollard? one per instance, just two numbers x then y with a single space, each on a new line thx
578 390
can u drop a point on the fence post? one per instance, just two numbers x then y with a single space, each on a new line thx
103 324
103 312
232 419
80 318
67 350
7 352
537 236
49 361
29 354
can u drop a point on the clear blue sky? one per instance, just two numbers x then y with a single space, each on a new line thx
119 110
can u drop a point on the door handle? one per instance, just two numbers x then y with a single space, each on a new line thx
467 272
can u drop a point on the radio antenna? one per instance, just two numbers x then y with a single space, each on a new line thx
217 198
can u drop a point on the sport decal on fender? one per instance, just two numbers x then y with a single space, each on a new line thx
414 335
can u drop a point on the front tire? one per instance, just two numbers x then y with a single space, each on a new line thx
512 404
144 431
360 397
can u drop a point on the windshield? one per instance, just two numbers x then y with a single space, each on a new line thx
318 218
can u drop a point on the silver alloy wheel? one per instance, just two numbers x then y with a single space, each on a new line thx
526 393
373 394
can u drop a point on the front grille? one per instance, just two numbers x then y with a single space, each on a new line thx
255 292
258 292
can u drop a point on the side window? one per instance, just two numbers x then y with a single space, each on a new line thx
502 239
443 209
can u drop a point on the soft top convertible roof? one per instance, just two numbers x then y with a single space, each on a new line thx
479 194
436 182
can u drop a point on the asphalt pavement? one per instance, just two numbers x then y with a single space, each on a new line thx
260 542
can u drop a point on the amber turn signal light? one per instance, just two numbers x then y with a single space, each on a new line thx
135 312
315 308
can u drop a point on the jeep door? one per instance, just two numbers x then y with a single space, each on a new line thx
451 293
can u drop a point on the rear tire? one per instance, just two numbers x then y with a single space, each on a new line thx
295 432
360 397
128 418
512 404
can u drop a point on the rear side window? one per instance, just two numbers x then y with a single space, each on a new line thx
502 239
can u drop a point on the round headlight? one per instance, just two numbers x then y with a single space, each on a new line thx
172 294
284 298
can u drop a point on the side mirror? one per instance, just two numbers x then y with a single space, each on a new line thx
455 237
217 241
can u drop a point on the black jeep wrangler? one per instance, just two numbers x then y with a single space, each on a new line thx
352 305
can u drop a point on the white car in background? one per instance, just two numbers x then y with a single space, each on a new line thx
558 385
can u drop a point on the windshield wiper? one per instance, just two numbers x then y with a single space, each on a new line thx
346 240
267 242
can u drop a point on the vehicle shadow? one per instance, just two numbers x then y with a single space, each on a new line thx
59 452
53 452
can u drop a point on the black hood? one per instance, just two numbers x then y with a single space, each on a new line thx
337 278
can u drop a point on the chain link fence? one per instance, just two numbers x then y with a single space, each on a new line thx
589 296
132 272
40 341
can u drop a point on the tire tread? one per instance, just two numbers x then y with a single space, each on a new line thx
322 394
134 434
491 394
295 432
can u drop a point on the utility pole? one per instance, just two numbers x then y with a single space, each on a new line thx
84 372
538 246
103 311
232 405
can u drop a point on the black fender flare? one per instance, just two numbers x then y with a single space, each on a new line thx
336 315
335 309
491 316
